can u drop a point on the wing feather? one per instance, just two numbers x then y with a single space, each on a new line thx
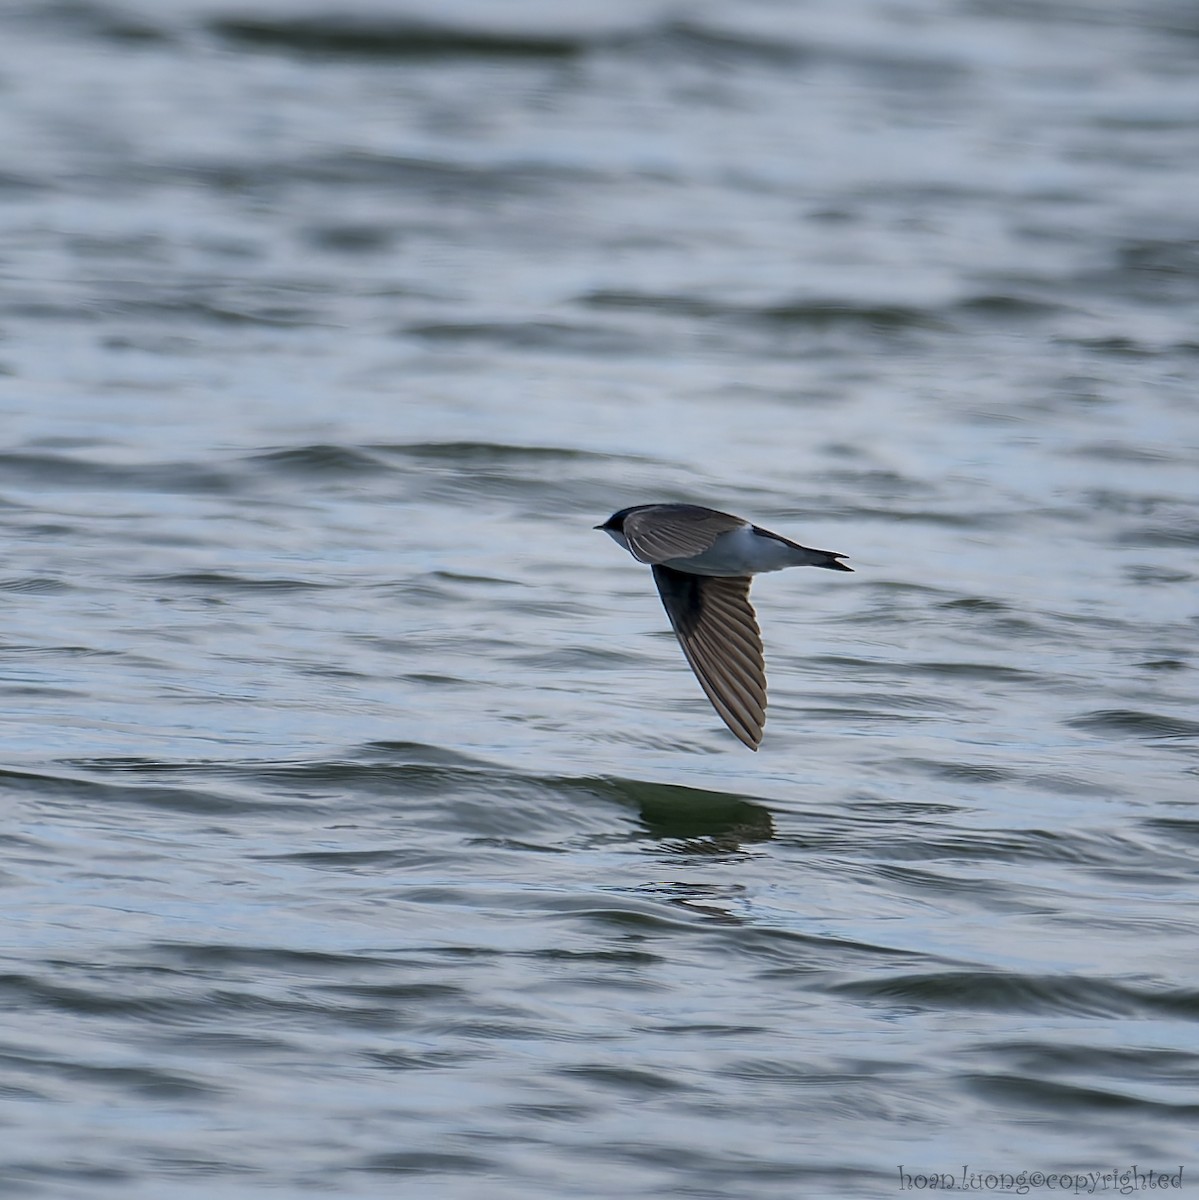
716 627
661 532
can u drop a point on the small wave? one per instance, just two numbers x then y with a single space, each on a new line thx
55 788
1055 1097
429 1162
489 452
219 581
36 585
1135 723
555 336
991 991
1007 304
153 1083
1182 533
320 458
49 471
375 36
819 314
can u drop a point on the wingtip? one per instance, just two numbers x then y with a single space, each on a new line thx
749 738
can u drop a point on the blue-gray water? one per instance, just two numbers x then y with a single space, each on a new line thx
365 832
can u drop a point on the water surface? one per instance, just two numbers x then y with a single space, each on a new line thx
366 831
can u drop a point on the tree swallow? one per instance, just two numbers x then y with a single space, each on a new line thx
702 562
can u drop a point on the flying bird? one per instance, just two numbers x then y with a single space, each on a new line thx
703 561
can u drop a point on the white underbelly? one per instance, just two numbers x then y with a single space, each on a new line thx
739 552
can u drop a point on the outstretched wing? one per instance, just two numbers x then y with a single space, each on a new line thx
661 532
715 624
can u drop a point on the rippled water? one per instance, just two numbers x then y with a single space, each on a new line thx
367 833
